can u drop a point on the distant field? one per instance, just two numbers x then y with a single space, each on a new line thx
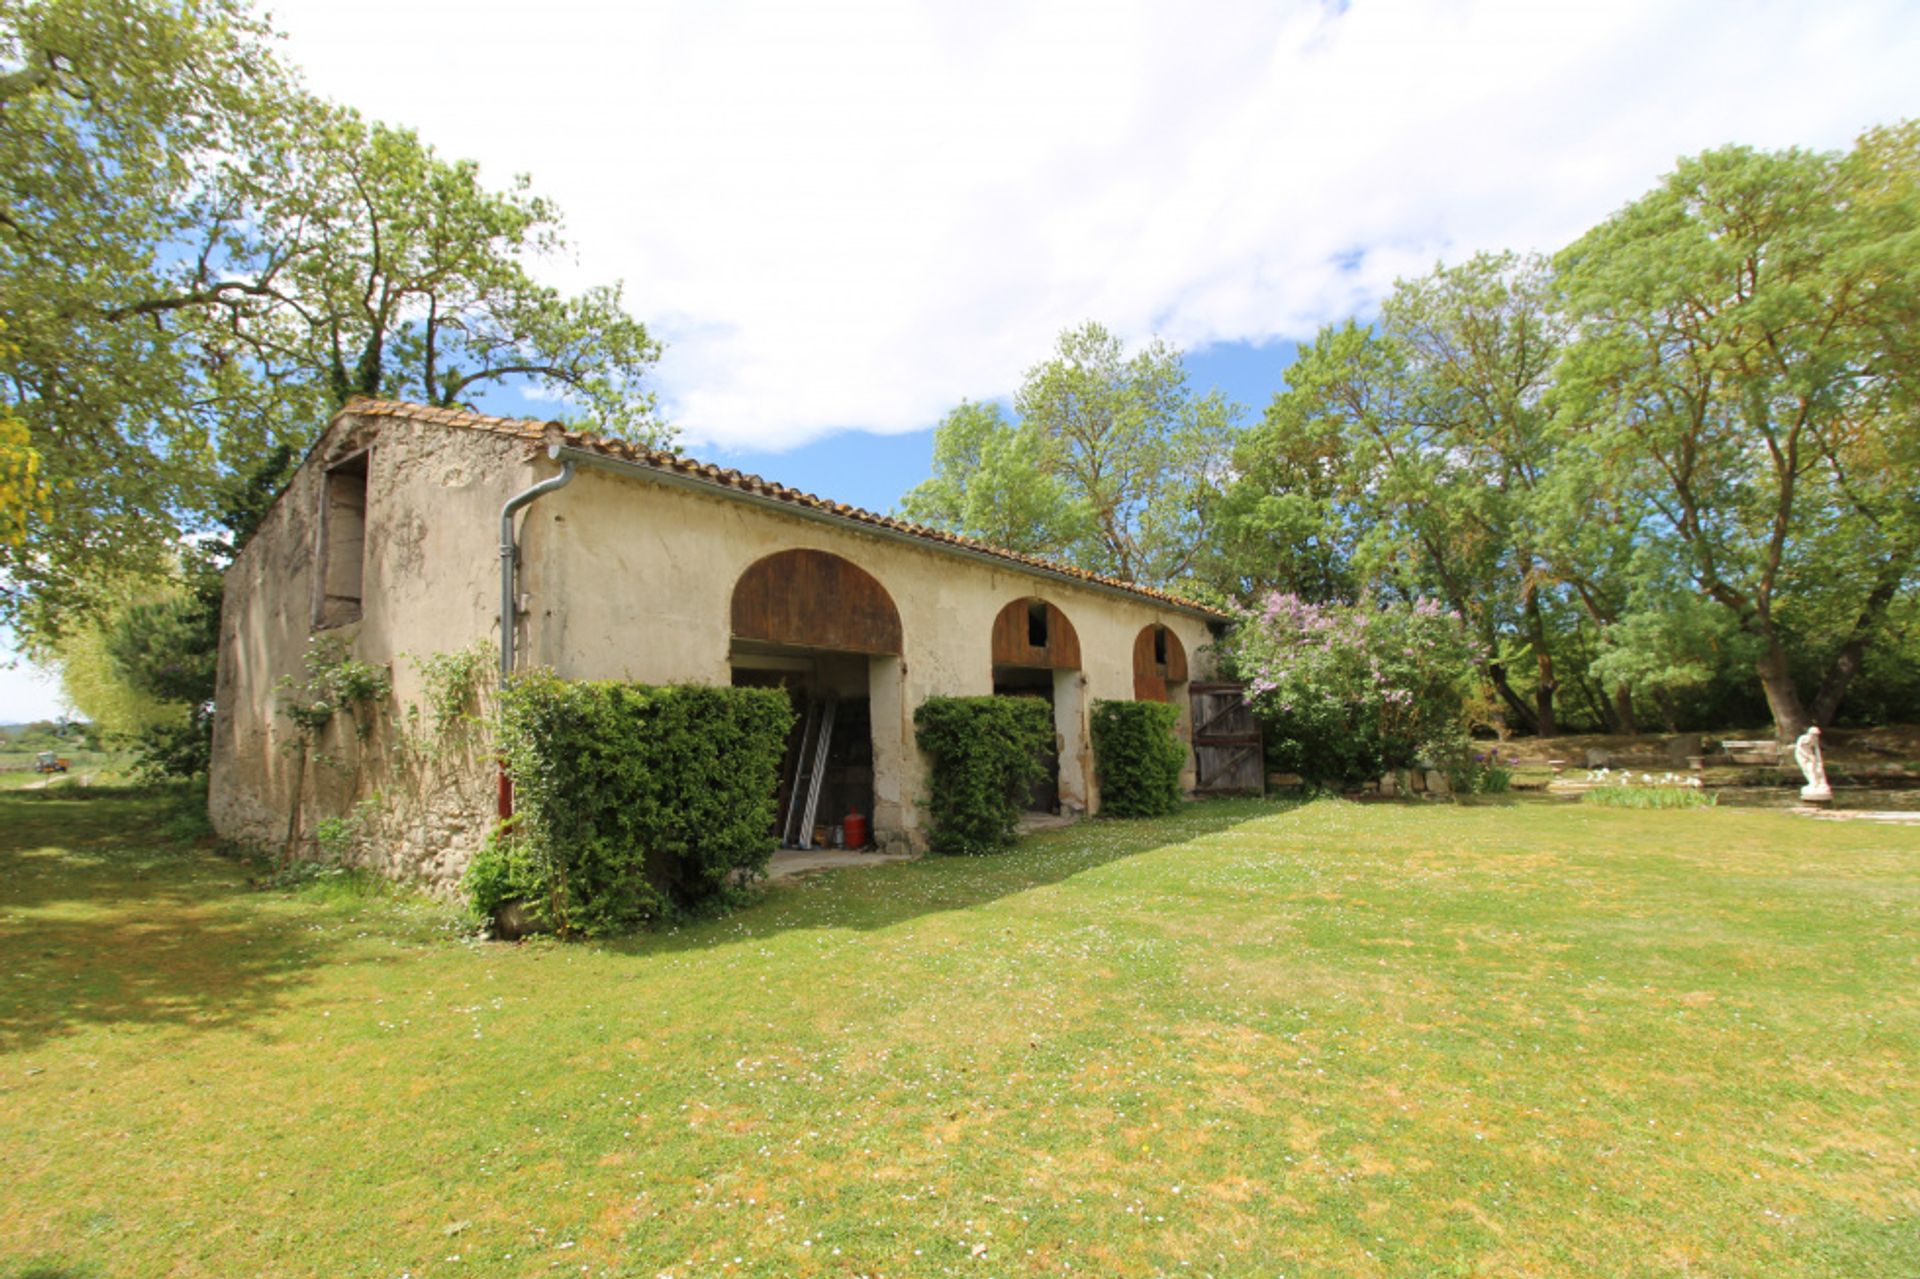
16 766
1519 1039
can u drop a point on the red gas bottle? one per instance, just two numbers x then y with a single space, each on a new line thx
856 829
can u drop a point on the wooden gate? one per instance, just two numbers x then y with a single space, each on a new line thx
1227 751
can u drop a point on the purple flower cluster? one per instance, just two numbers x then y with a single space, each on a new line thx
1390 671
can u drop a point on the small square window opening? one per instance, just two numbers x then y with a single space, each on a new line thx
1036 624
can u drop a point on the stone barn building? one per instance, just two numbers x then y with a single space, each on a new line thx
615 562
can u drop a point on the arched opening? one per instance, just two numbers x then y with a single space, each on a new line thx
1035 634
814 599
825 630
1036 653
1159 665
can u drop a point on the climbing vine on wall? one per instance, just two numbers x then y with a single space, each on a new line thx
455 684
334 682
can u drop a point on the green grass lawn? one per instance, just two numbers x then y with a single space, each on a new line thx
1533 1039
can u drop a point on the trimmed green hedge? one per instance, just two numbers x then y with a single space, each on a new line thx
1137 758
986 752
631 802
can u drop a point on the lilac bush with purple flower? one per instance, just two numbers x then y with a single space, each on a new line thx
1347 691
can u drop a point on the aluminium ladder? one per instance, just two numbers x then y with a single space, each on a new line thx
803 804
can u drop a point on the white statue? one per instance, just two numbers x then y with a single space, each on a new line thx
1806 753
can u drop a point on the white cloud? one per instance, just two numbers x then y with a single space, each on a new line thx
854 214
27 692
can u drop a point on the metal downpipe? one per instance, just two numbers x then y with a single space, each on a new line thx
510 558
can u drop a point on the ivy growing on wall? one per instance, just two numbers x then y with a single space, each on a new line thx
1137 758
452 718
632 803
986 752
334 682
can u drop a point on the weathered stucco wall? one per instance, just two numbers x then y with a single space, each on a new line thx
632 578
430 586
624 577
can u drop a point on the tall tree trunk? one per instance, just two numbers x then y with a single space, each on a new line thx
1669 709
1594 701
1545 684
1853 653
1783 698
1833 689
1497 673
1544 722
1623 714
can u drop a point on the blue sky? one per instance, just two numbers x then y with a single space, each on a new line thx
872 469
842 219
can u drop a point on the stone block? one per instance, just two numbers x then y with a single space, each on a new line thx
1679 750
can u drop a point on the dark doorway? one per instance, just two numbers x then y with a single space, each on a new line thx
811 680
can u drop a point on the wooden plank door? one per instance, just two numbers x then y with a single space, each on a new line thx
1229 755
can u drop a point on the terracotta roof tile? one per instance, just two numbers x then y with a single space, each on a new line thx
726 479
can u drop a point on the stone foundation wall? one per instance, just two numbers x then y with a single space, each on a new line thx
411 808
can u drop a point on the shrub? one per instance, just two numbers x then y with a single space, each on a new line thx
336 839
986 752
176 750
634 802
1137 757
1471 772
1348 691
505 870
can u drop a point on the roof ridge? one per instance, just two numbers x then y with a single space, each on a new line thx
727 478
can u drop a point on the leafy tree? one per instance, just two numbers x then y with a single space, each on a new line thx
1419 447
1137 450
93 681
995 480
1112 462
201 261
168 648
1887 689
22 495
1745 367
112 116
23 492
350 256
1668 649
1285 523
1482 339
